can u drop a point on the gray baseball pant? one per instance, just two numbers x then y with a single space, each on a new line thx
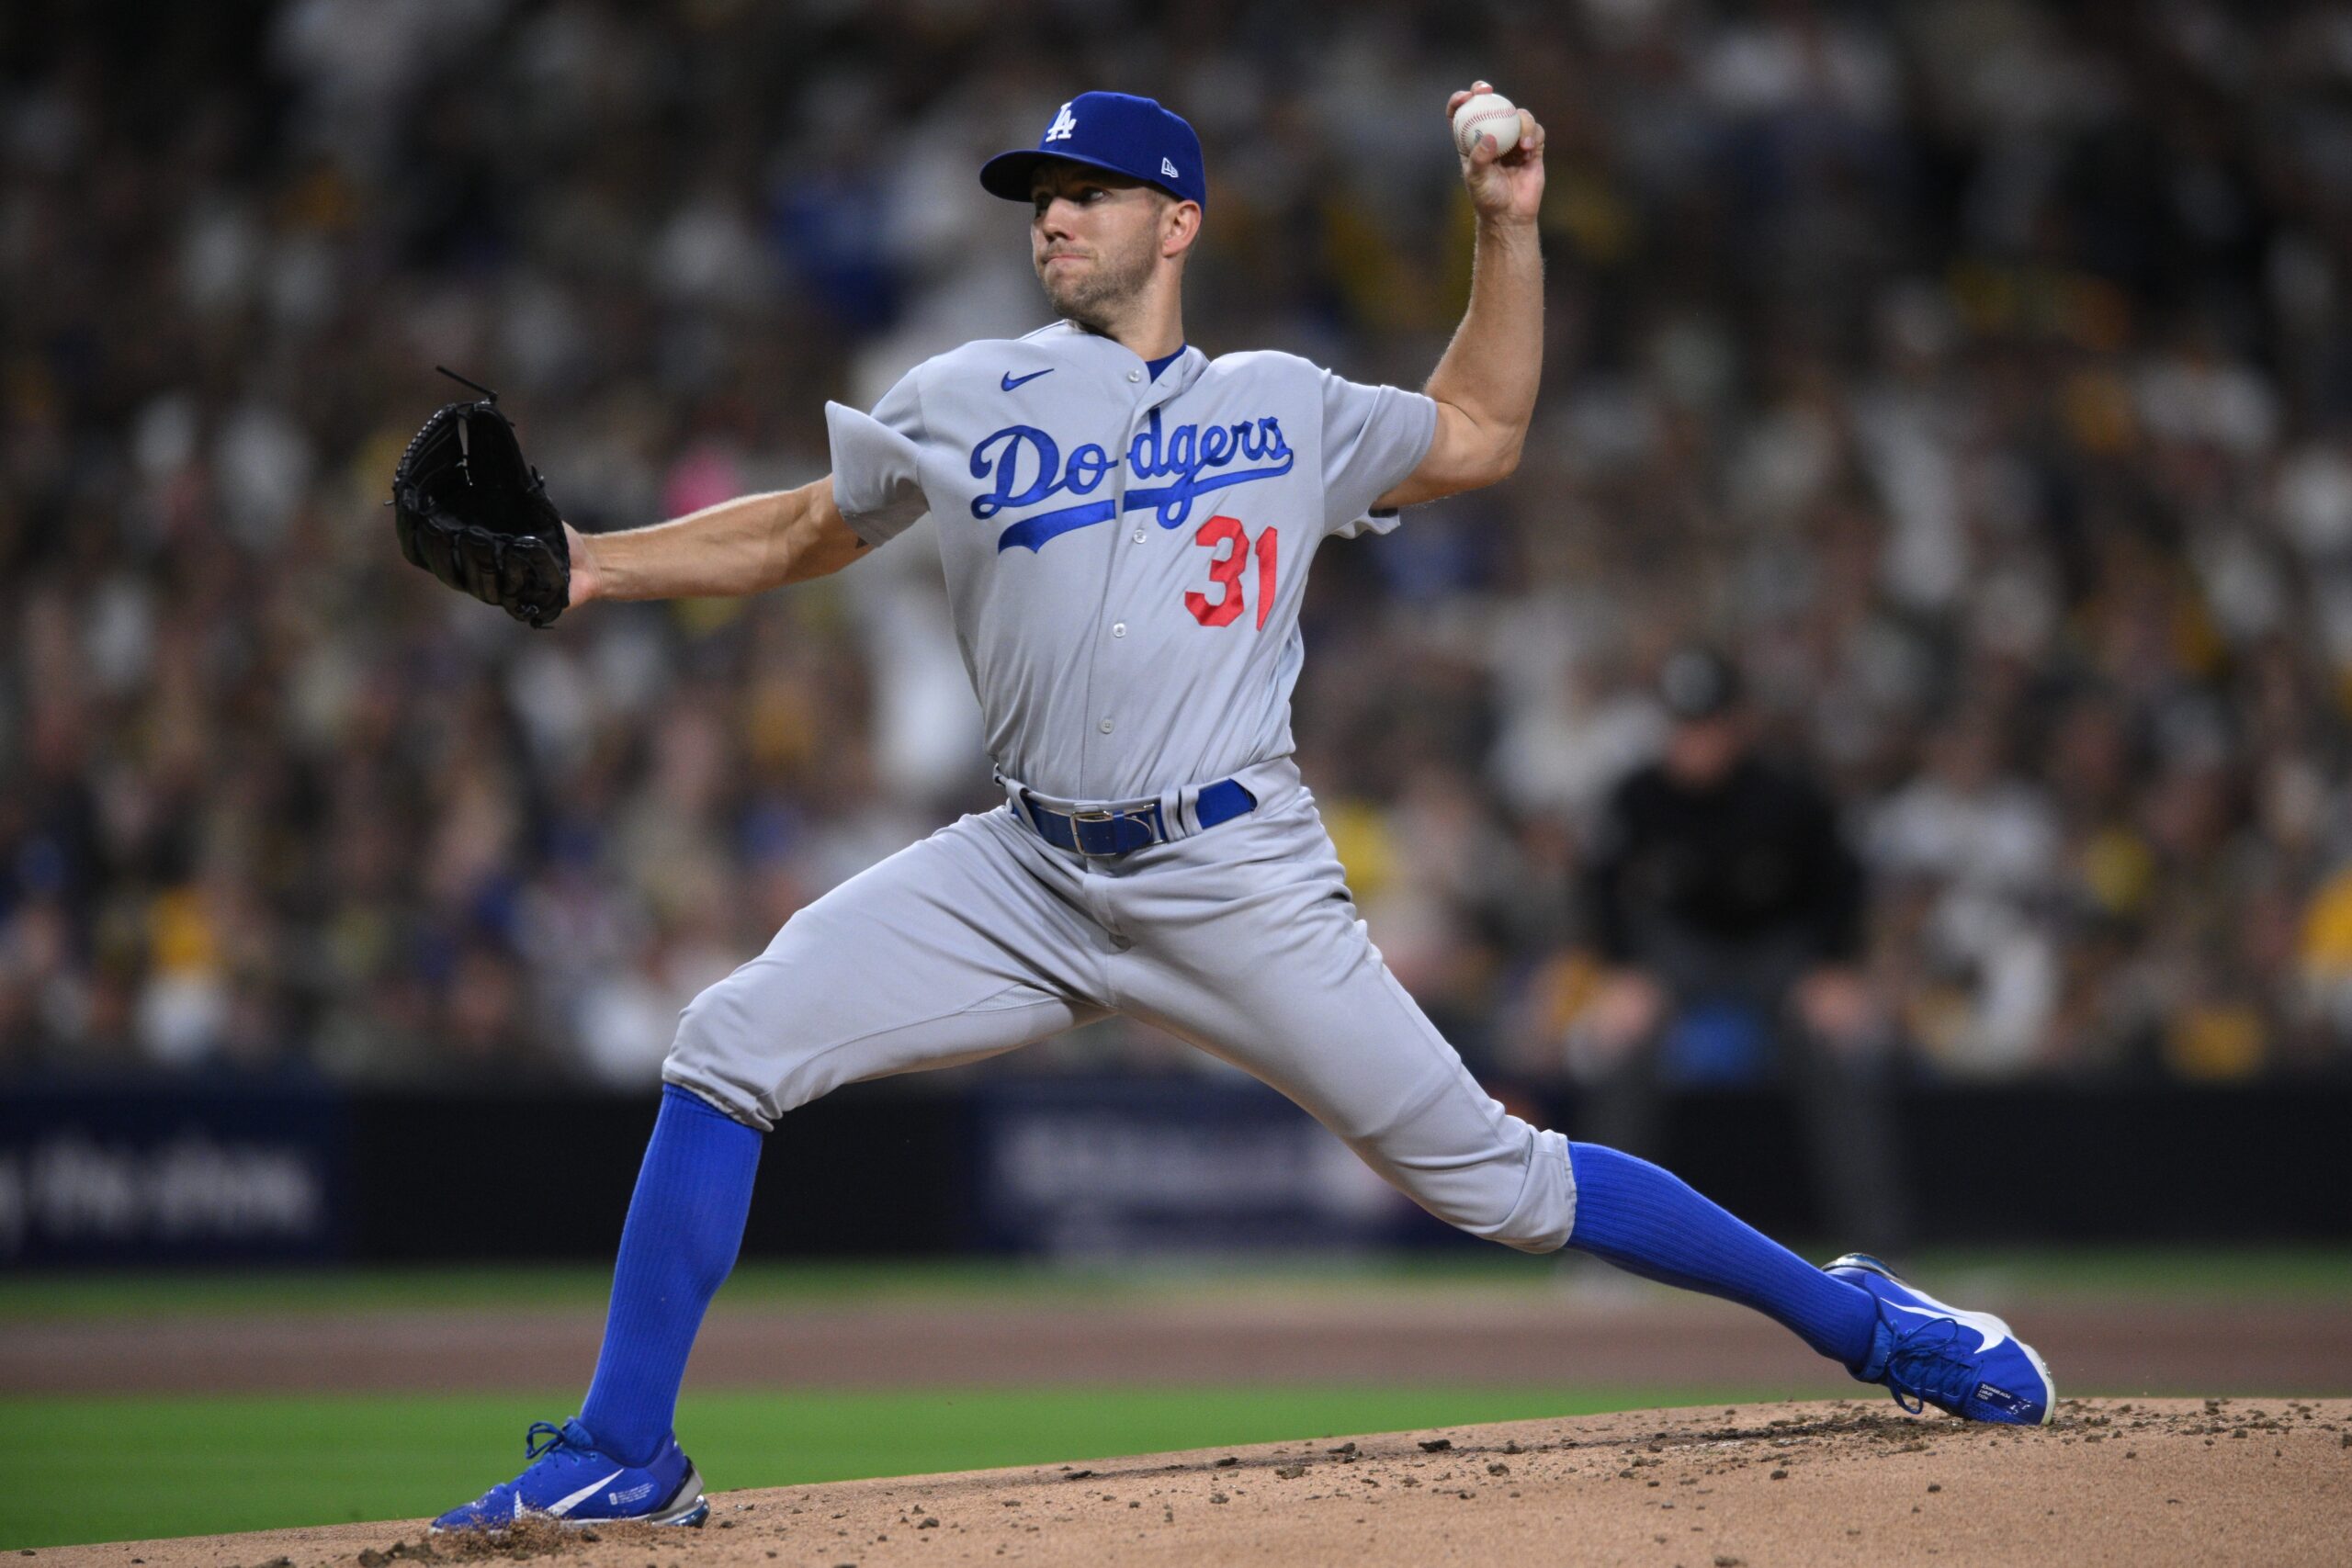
1242 940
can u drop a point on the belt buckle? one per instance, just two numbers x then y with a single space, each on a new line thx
1110 817
1078 832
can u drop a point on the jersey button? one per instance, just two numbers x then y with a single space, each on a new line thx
1118 628
1137 535
1104 727
1134 375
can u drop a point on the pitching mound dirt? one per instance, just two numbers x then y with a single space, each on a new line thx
2139 1482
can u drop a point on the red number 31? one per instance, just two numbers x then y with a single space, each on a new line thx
1217 534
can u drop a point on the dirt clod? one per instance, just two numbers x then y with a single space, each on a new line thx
1437 1445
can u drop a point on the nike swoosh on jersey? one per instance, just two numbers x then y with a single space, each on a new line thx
1991 1329
1009 380
565 1505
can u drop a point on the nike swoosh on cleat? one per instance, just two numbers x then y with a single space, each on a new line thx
564 1506
1009 380
1991 1329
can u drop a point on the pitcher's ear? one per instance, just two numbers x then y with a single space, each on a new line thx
1183 226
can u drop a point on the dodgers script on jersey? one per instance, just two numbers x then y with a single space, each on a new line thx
1126 554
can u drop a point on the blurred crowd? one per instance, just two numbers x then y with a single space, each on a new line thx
1977 375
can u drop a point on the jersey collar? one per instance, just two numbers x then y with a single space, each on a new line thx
1179 371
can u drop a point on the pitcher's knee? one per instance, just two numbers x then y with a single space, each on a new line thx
1546 1210
1524 1199
717 1055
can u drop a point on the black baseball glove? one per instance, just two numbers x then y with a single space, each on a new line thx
472 513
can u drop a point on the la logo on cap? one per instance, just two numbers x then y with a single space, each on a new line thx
1065 125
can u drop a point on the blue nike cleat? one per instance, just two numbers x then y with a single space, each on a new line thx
570 1483
1964 1362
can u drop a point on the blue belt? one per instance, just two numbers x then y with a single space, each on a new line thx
1120 831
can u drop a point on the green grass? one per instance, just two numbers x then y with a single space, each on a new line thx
2269 1272
116 1469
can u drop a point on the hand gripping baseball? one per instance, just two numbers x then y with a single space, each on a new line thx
469 510
1504 183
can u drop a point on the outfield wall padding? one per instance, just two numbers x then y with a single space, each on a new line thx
213 1171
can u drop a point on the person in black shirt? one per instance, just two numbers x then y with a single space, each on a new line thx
1718 887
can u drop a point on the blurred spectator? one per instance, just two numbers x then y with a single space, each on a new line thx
1728 912
1969 857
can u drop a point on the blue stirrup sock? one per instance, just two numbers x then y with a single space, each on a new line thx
685 1227
1649 1222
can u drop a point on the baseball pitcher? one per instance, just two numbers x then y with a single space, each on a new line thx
1127 527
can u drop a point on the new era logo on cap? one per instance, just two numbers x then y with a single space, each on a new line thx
1118 131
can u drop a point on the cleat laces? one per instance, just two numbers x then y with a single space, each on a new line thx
544 1437
1923 1365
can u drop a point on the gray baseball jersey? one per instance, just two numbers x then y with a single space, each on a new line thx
1126 554
1126 558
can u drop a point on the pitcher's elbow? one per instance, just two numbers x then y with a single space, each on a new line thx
1505 461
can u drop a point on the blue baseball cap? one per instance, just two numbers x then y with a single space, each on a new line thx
1118 131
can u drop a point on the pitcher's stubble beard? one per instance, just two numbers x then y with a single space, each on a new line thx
1101 292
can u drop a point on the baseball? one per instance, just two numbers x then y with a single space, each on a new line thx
1486 114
